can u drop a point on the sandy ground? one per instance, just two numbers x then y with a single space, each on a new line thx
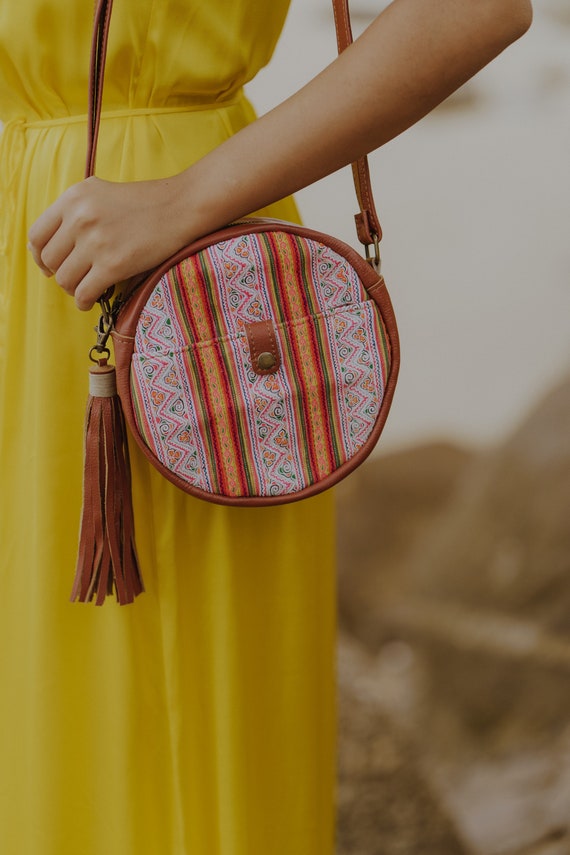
475 204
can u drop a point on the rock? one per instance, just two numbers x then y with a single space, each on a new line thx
384 508
505 542
385 806
468 566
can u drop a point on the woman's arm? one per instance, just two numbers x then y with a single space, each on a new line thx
411 58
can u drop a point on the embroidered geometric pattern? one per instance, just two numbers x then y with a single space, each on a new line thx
204 412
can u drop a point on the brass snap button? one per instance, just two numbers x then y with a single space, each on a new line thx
265 361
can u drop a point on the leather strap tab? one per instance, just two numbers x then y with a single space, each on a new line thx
363 228
263 348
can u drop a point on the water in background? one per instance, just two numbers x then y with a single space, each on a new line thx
474 202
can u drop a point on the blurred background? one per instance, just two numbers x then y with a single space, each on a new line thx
454 538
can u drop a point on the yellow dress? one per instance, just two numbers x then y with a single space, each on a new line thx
201 719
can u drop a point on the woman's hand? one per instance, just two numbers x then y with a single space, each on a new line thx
99 233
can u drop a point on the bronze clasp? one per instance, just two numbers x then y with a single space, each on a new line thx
104 328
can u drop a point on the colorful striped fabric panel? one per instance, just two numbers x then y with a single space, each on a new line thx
204 412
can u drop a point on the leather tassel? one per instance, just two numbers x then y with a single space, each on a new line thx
107 558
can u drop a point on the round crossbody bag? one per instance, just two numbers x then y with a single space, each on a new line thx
254 367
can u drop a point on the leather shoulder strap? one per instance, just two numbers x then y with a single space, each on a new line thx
101 22
367 223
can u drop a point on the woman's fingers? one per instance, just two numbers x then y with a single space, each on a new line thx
56 251
37 258
61 240
92 285
100 232
40 235
72 271
52 237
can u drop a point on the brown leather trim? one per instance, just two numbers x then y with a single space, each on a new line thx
263 349
365 230
124 346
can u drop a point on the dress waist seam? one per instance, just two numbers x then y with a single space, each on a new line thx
133 112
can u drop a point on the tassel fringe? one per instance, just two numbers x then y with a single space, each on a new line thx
107 559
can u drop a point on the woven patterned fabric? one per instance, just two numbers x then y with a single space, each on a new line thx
200 407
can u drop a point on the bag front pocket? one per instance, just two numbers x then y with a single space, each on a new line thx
221 427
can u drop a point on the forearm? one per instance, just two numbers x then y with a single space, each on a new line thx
411 58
